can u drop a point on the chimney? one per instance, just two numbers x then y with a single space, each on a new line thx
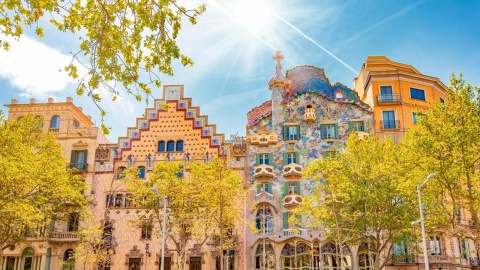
33 101
69 99
14 101
80 108
50 100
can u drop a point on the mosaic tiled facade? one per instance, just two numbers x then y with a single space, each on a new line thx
307 118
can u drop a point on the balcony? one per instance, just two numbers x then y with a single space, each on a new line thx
263 172
292 170
78 166
440 259
291 200
390 125
64 236
309 115
264 139
54 130
403 259
474 261
388 99
294 232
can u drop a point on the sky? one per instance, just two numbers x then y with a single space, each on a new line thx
232 46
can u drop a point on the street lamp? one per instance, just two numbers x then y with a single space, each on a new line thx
155 190
422 220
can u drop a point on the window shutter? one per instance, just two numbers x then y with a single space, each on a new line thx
285 158
269 187
270 159
350 126
258 159
297 187
297 158
259 188
72 157
323 131
285 133
299 220
336 131
286 188
285 220
298 132
324 154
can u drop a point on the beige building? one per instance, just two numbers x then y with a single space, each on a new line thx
78 136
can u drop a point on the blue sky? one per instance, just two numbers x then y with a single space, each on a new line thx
233 53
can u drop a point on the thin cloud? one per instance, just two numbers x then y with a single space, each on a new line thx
34 67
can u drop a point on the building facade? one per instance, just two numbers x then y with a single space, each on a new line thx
397 93
306 118
78 136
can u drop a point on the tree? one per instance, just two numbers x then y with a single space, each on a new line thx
36 187
120 41
447 142
364 195
201 204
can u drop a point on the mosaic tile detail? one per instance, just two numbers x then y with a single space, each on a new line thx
207 131
182 105
134 134
143 124
172 92
216 140
198 122
191 113
124 143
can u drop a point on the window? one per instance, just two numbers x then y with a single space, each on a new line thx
68 260
78 160
129 201
385 90
264 159
417 94
55 122
264 256
388 120
146 230
291 132
134 263
119 201
161 146
391 137
170 146
442 100
465 253
356 125
291 187
290 158
264 220
27 259
365 257
179 147
180 171
168 263
72 224
402 253
121 172
435 245
194 264
331 257
267 187
329 131
141 172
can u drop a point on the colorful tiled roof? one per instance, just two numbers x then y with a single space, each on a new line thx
310 79
257 113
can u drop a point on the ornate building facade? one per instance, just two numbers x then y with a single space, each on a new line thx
306 118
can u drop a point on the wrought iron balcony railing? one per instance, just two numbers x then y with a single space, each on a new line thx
388 98
391 124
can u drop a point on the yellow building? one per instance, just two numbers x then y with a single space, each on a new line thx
78 136
397 93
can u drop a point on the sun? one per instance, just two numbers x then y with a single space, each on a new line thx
252 14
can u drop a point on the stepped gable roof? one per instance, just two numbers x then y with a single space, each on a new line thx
311 79
256 114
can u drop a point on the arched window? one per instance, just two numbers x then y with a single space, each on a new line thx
366 258
179 147
287 257
264 256
55 122
264 220
304 256
68 260
27 259
170 146
141 172
40 120
332 259
120 172
161 146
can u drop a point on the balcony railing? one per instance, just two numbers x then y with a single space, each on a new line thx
391 124
474 261
403 258
388 98
65 235
54 130
79 166
296 231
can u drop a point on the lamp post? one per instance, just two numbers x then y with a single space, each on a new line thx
422 220
155 190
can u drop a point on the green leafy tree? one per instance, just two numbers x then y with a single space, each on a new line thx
447 142
36 187
202 203
120 42
364 195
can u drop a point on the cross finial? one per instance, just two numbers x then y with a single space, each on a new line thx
278 57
